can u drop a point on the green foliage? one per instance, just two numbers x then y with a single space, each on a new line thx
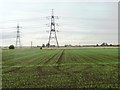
80 68
11 47
43 45
40 47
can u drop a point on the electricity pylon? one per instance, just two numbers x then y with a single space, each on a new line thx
18 41
52 35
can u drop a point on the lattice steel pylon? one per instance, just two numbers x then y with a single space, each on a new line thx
18 41
53 31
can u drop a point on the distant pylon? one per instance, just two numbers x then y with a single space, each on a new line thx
52 34
18 41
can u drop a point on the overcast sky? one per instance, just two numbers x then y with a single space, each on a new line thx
79 22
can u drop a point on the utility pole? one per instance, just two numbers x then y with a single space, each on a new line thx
52 34
31 44
18 41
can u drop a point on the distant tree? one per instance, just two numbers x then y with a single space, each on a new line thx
43 45
40 47
66 45
97 45
47 45
11 47
110 44
103 44
106 44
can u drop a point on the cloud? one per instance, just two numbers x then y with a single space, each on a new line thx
8 35
77 21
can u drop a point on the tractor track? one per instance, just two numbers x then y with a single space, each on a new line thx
40 70
94 61
51 58
60 59
12 70
70 75
99 61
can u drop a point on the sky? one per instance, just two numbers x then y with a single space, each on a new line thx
80 23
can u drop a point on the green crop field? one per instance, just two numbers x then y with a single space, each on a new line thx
60 68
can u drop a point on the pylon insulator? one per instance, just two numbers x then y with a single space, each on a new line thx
52 16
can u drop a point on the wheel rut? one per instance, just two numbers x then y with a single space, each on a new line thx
40 69
70 75
51 58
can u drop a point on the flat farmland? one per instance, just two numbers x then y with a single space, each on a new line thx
60 68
